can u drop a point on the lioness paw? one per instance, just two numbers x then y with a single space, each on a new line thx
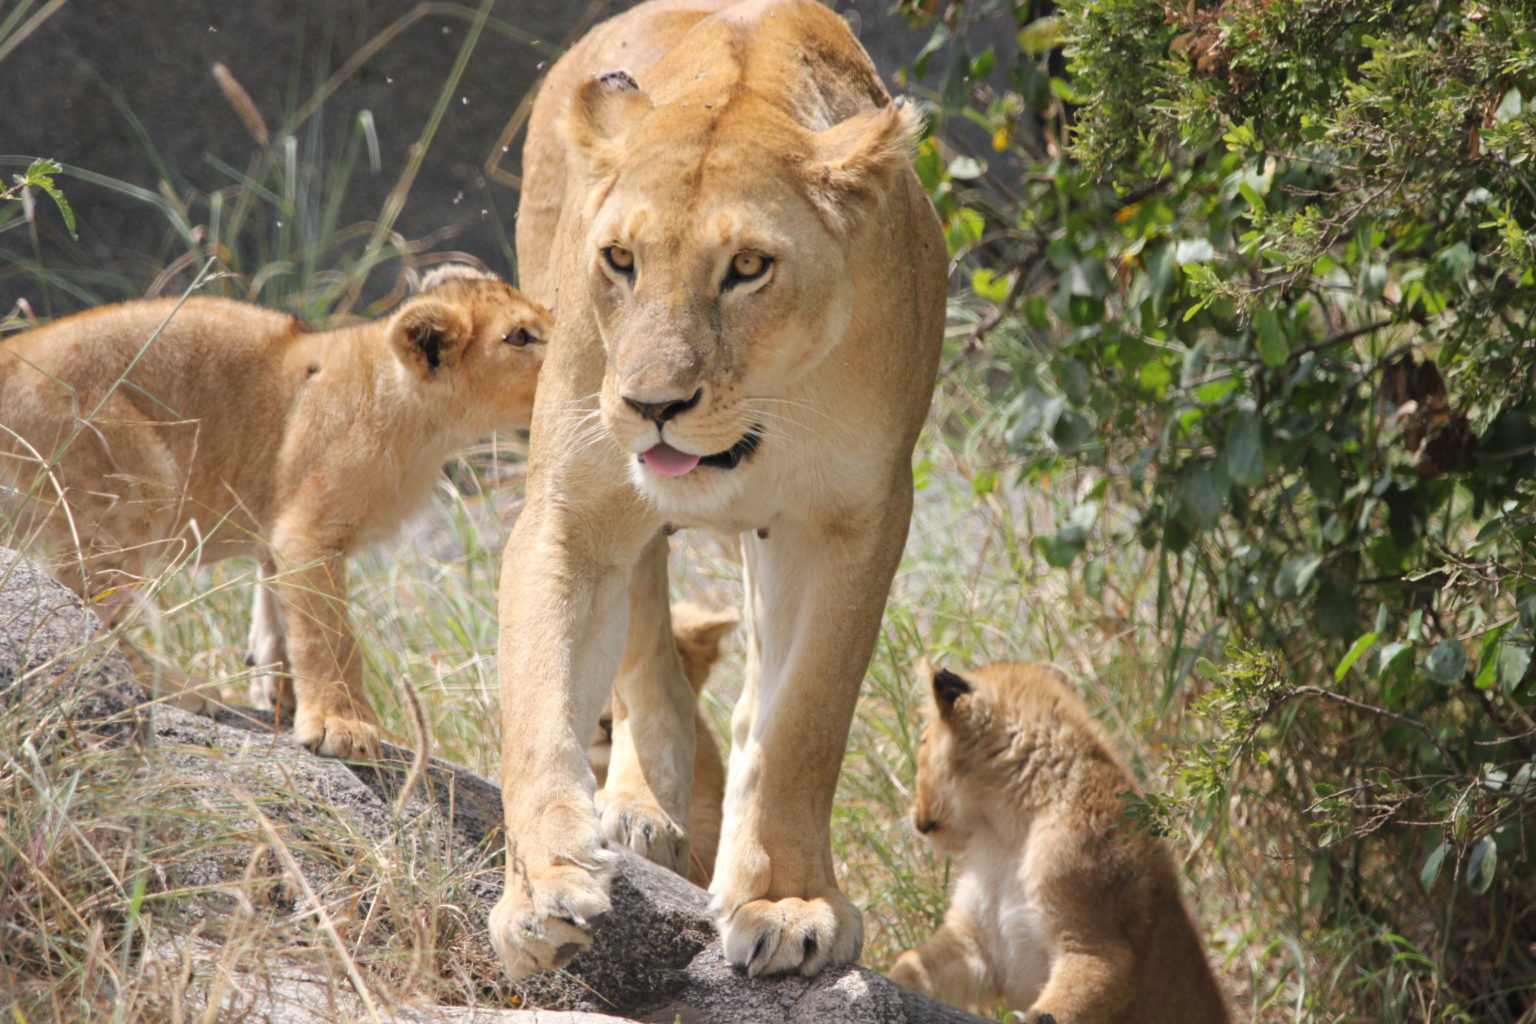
643 827
542 924
337 736
791 936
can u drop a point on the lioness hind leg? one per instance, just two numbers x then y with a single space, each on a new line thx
644 802
267 646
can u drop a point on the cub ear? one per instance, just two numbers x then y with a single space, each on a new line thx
428 334
602 114
947 689
857 161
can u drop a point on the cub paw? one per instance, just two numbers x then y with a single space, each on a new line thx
643 827
271 692
540 924
909 973
792 936
1037 1017
340 736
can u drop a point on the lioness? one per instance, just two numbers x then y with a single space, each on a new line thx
142 432
751 285
1063 909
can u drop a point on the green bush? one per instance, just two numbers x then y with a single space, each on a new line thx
1268 270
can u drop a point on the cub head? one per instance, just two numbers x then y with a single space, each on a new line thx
983 724
476 341
719 267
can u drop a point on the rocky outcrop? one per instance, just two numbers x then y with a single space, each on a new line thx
295 889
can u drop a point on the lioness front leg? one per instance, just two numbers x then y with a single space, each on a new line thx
644 802
815 594
562 615
331 714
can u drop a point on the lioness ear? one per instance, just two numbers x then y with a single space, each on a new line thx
428 334
602 114
947 689
857 161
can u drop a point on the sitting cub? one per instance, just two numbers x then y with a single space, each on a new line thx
1063 909
149 432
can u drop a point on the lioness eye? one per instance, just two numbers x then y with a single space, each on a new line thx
519 338
746 266
620 259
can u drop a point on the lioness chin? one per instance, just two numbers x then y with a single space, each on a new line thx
138 434
751 295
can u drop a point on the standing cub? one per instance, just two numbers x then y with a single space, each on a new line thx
1063 909
147 432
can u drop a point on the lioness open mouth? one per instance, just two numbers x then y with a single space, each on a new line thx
668 461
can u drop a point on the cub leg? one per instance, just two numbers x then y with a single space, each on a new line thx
816 591
562 615
266 647
644 802
949 966
331 713
1090 982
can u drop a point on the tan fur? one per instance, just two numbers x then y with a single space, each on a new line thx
698 632
755 131
1063 907
140 434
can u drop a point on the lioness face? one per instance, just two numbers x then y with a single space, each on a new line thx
718 270
708 316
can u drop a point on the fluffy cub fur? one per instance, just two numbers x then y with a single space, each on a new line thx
141 434
698 632
1063 909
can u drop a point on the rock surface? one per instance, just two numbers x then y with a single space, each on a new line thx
283 838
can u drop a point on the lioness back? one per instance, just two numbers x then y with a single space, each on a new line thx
1063 907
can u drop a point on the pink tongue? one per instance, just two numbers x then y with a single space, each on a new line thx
668 461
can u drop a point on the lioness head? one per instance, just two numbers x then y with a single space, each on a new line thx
478 340
718 267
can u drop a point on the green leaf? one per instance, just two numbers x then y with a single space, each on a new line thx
1274 349
1198 496
1042 34
1447 662
1244 451
1488 660
1431 869
989 285
1296 575
1365 643
1514 659
1482 863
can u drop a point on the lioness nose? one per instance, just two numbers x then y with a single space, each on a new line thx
664 410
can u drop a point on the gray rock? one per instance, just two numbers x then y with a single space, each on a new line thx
270 836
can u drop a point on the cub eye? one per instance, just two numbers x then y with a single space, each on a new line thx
620 259
746 266
520 338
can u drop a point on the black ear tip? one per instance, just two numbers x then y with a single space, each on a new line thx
618 81
949 687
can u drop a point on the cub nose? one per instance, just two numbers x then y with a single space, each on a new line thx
663 410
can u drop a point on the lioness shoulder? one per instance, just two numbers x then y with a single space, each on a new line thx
139 434
1063 908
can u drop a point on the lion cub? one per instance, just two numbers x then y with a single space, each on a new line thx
1062 909
697 632
152 432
